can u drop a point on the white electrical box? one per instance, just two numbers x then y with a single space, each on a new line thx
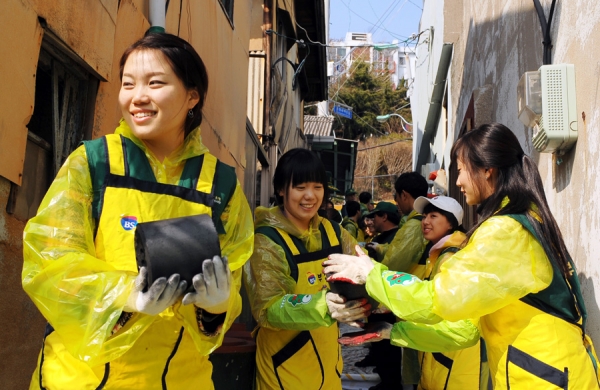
546 102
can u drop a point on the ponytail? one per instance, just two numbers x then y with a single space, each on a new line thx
495 146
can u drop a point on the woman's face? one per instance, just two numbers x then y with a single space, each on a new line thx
154 101
471 186
301 203
435 226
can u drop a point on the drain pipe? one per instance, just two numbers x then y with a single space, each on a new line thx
158 14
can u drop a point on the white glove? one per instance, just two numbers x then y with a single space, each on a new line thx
162 294
349 312
374 331
212 286
346 268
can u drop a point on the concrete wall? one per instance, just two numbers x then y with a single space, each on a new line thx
495 42
428 50
97 31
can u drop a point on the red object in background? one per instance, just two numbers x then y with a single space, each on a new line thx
433 175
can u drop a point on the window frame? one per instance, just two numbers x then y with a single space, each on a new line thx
227 6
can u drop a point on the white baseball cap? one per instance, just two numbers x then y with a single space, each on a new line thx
445 203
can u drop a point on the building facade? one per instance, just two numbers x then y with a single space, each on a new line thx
472 56
60 77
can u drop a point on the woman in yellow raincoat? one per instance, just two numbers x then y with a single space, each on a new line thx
460 366
297 332
106 327
515 274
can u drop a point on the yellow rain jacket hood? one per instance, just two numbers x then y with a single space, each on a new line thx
80 280
405 252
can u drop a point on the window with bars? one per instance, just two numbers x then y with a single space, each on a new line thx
65 94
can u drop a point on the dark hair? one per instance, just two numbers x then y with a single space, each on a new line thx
413 183
334 215
495 146
298 166
365 197
392 217
352 208
186 64
429 208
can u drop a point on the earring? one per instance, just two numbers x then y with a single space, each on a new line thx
190 113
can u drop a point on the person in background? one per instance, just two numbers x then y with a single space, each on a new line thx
385 219
368 229
107 328
514 274
328 210
332 213
297 332
455 367
350 196
350 223
366 202
405 253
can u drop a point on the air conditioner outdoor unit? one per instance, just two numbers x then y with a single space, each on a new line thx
547 103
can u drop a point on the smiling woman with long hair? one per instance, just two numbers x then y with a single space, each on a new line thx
514 274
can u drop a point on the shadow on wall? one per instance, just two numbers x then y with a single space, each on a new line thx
591 305
497 52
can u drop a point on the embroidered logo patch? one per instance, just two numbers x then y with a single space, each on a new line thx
311 277
401 278
129 222
299 299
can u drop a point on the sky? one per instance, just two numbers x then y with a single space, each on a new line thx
385 19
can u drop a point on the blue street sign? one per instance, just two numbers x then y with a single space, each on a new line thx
342 111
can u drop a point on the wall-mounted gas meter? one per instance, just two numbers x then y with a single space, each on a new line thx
547 103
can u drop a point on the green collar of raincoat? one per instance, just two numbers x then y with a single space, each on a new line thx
533 209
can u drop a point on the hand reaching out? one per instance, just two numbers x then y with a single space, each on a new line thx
346 268
350 312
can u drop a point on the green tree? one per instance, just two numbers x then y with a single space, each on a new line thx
369 94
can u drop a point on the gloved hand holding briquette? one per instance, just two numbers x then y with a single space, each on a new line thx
349 312
346 268
160 295
211 287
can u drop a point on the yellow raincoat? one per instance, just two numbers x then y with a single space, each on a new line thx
406 249
352 227
502 266
445 365
289 305
80 280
